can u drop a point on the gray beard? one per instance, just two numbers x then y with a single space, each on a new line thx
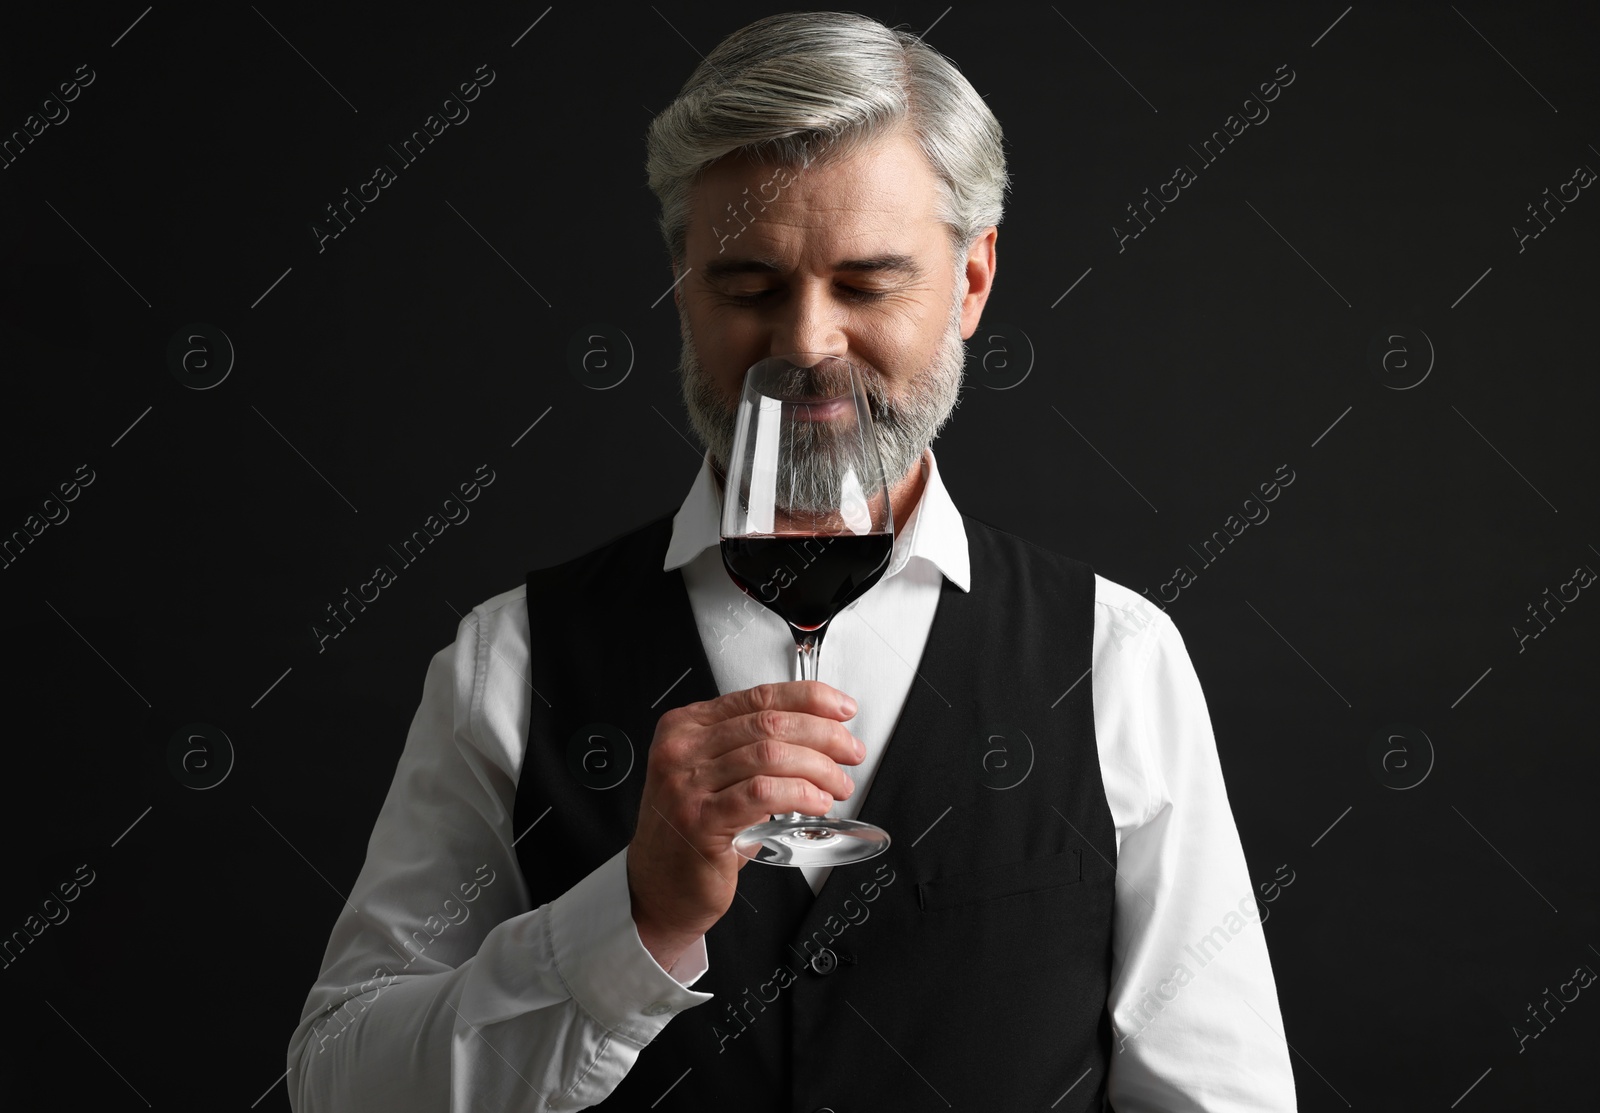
905 425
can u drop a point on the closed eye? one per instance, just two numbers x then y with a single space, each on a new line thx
850 293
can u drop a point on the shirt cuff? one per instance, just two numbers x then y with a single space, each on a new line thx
606 967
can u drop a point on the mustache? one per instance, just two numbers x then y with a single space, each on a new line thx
817 384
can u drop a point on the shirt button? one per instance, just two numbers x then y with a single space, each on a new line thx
659 1008
824 961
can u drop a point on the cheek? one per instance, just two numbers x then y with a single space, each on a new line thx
894 334
907 336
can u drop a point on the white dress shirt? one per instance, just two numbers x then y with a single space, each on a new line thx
441 988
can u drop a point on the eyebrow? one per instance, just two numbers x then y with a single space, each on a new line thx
886 263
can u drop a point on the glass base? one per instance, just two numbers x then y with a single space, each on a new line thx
809 840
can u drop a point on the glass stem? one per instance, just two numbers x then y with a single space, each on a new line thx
807 647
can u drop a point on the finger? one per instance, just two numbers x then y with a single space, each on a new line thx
826 736
814 697
752 801
771 758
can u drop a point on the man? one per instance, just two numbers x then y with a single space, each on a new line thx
551 915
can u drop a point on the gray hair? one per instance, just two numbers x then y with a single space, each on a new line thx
800 87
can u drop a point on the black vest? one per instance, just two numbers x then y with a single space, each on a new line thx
968 966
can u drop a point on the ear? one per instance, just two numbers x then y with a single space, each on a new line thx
980 280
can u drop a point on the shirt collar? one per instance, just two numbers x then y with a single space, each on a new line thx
934 533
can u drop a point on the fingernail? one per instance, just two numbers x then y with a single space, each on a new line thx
848 706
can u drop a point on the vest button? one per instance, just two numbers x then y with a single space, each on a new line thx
824 962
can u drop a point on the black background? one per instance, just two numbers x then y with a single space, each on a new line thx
373 377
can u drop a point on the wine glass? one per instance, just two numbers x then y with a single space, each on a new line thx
807 528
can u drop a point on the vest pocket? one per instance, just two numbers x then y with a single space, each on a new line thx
1007 880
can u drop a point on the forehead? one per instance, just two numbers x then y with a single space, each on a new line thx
879 198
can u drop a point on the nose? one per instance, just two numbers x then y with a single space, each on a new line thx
810 325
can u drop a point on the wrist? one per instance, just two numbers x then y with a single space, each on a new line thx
665 947
666 942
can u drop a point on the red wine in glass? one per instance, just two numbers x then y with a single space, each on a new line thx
807 578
